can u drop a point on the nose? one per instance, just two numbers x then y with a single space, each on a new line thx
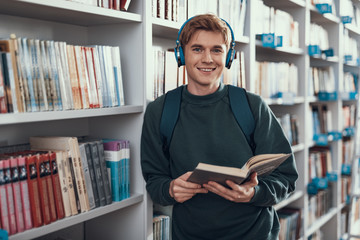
207 58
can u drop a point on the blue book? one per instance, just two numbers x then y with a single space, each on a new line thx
113 151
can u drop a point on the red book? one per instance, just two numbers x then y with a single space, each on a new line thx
14 173
49 185
9 196
3 204
124 5
34 194
43 191
56 186
24 189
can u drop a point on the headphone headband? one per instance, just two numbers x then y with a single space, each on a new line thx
179 54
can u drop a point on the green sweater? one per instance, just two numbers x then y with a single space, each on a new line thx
207 131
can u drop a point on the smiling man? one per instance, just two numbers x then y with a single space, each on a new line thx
207 131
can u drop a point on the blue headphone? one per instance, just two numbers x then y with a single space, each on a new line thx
179 53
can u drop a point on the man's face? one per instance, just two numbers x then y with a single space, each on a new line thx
205 56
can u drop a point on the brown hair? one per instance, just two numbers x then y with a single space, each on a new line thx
207 22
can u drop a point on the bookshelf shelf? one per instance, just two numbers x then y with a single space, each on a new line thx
294 197
73 220
286 3
66 12
16 118
321 221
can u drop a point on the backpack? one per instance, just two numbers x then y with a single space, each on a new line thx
239 105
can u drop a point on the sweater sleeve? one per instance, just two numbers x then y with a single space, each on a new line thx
269 137
155 165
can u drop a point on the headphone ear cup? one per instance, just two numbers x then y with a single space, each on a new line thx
182 57
229 58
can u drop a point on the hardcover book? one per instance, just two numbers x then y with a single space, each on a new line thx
15 182
24 192
33 191
263 164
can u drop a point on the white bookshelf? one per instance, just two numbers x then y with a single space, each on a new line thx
81 24
136 32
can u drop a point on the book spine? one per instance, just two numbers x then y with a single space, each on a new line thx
14 172
24 192
92 175
60 162
44 195
104 173
49 186
98 174
87 178
10 197
60 212
69 180
34 194
75 185
112 158
3 204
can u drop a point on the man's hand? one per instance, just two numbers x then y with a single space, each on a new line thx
236 193
181 190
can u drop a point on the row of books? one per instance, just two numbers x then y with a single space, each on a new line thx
58 177
347 150
232 11
42 75
273 78
348 9
319 36
320 204
290 223
172 10
320 162
281 23
161 227
167 74
120 5
350 47
321 80
345 189
321 119
289 123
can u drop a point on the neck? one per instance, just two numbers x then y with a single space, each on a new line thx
202 90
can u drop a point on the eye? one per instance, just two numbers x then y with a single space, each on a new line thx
196 49
217 50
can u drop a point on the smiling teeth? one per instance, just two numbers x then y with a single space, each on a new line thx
206 69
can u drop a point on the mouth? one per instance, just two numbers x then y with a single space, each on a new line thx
206 69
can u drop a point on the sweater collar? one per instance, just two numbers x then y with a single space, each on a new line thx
206 99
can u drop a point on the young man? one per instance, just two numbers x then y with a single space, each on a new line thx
206 131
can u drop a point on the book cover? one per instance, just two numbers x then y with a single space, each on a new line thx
98 173
24 190
104 172
63 182
46 161
92 174
9 196
113 156
3 204
55 181
15 182
79 175
34 194
262 164
87 178
43 190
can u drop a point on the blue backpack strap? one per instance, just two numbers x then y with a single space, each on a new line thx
170 115
241 109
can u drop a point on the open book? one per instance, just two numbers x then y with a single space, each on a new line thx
262 164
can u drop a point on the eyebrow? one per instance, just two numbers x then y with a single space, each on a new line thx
199 45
